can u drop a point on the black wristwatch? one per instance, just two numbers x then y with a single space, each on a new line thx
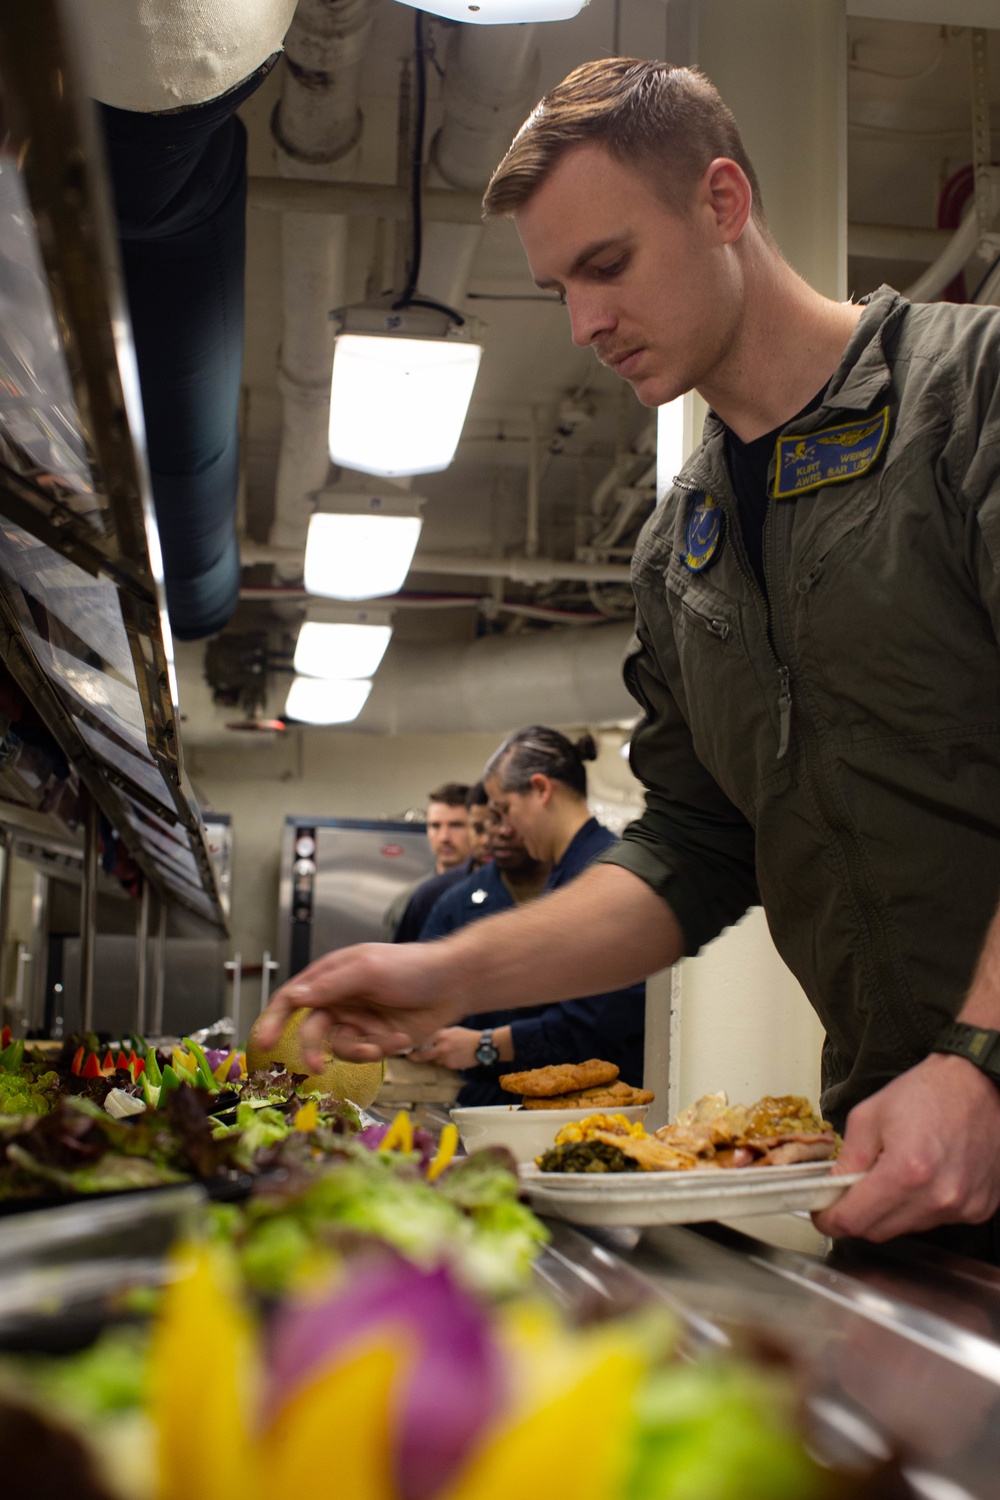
975 1044
486 1052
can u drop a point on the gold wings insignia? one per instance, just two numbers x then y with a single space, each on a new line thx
849 437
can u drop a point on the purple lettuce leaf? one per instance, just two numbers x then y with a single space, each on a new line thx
452 1390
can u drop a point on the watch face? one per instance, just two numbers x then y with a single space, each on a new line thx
487 1054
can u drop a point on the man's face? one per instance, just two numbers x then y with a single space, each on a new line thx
521 822
480 828
448 834
504 847
655 293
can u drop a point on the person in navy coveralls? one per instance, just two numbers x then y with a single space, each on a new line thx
537 783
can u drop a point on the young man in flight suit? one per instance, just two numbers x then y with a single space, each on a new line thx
816 653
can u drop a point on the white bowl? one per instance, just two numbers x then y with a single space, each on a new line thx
525 1132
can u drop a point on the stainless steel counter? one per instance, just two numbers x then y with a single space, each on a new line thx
902 1343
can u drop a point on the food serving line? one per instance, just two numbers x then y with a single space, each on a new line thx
901 1344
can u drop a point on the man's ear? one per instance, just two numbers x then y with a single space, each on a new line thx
725 192
544 786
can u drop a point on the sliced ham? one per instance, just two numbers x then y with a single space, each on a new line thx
783 1150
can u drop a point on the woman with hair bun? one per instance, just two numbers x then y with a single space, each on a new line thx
537 784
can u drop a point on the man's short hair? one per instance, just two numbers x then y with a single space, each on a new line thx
451 793
477 796
670 121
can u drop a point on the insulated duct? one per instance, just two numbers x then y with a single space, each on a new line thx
316 124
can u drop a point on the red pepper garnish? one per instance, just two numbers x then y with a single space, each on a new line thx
4 1038
136 1066
77 1062
122 1062
91 1068
108 1065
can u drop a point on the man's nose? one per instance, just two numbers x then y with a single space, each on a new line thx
589 317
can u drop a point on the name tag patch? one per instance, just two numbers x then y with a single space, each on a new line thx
828 456
704 532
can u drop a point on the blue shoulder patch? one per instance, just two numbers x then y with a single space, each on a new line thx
829 456
704 531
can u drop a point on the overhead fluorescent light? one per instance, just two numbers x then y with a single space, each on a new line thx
501 12
340 649
398 405
362 546
315 700
402 381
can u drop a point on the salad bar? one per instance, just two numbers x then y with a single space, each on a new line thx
244 1276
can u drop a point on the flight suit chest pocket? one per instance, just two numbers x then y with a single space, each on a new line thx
697 607
715 684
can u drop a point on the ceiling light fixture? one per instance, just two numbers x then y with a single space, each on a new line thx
501 12
316 700
361 546
342 644
403 365
402 383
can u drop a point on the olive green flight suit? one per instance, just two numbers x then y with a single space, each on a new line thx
833 751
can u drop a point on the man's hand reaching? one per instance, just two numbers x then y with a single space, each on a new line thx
603 931
930 1145
372 1001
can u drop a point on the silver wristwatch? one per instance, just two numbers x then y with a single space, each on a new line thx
487 1053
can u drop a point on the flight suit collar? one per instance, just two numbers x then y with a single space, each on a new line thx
861 378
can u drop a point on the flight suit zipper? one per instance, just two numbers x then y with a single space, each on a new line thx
867 906
784 712
764 606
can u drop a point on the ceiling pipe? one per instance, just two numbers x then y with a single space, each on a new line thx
449 206
959 249
519 569
372 200
501 682
896 242
490 83
316 125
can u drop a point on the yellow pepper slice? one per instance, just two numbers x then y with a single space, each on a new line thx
399 1136
184 1061
219 1073
447 1146
307 1118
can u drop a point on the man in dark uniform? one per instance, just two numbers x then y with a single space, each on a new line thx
816 653
449 834
508 878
